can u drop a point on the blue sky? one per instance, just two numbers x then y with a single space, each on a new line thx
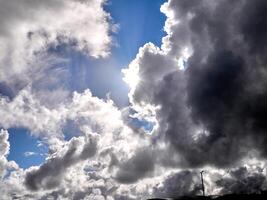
20 142
140 21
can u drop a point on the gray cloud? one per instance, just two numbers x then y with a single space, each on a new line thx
226 91
49 175
4 150
140 165
213 111
179 184
243 181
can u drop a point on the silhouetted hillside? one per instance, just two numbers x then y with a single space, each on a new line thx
262 196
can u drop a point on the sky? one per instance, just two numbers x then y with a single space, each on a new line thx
124 100
129 36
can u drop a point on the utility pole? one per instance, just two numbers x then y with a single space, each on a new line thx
203 188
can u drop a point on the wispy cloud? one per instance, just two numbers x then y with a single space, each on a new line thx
30 153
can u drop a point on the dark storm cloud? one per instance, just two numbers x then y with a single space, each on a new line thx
139 166
253 26
49 175
175 120
213 112
241 181
179 184
223 89
226 92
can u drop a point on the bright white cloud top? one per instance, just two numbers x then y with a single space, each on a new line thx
189 88
30 28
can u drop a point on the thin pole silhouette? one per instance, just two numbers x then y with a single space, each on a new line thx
203 188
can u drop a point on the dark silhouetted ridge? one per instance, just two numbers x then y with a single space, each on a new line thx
261 196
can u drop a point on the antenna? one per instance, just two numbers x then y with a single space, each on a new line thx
203 188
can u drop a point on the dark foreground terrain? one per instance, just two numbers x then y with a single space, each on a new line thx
262 196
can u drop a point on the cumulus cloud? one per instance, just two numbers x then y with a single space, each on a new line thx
83 110
243 181
30 30
135 168
4 150
100 130
102 146
178 184
5 165
49 174
215 105
209 110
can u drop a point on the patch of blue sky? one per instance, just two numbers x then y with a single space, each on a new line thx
146 125
20 142
140 21
139 123
71 130
101 76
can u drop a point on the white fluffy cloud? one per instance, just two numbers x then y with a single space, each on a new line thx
92 159
84 110
103 142
4 151
28 29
